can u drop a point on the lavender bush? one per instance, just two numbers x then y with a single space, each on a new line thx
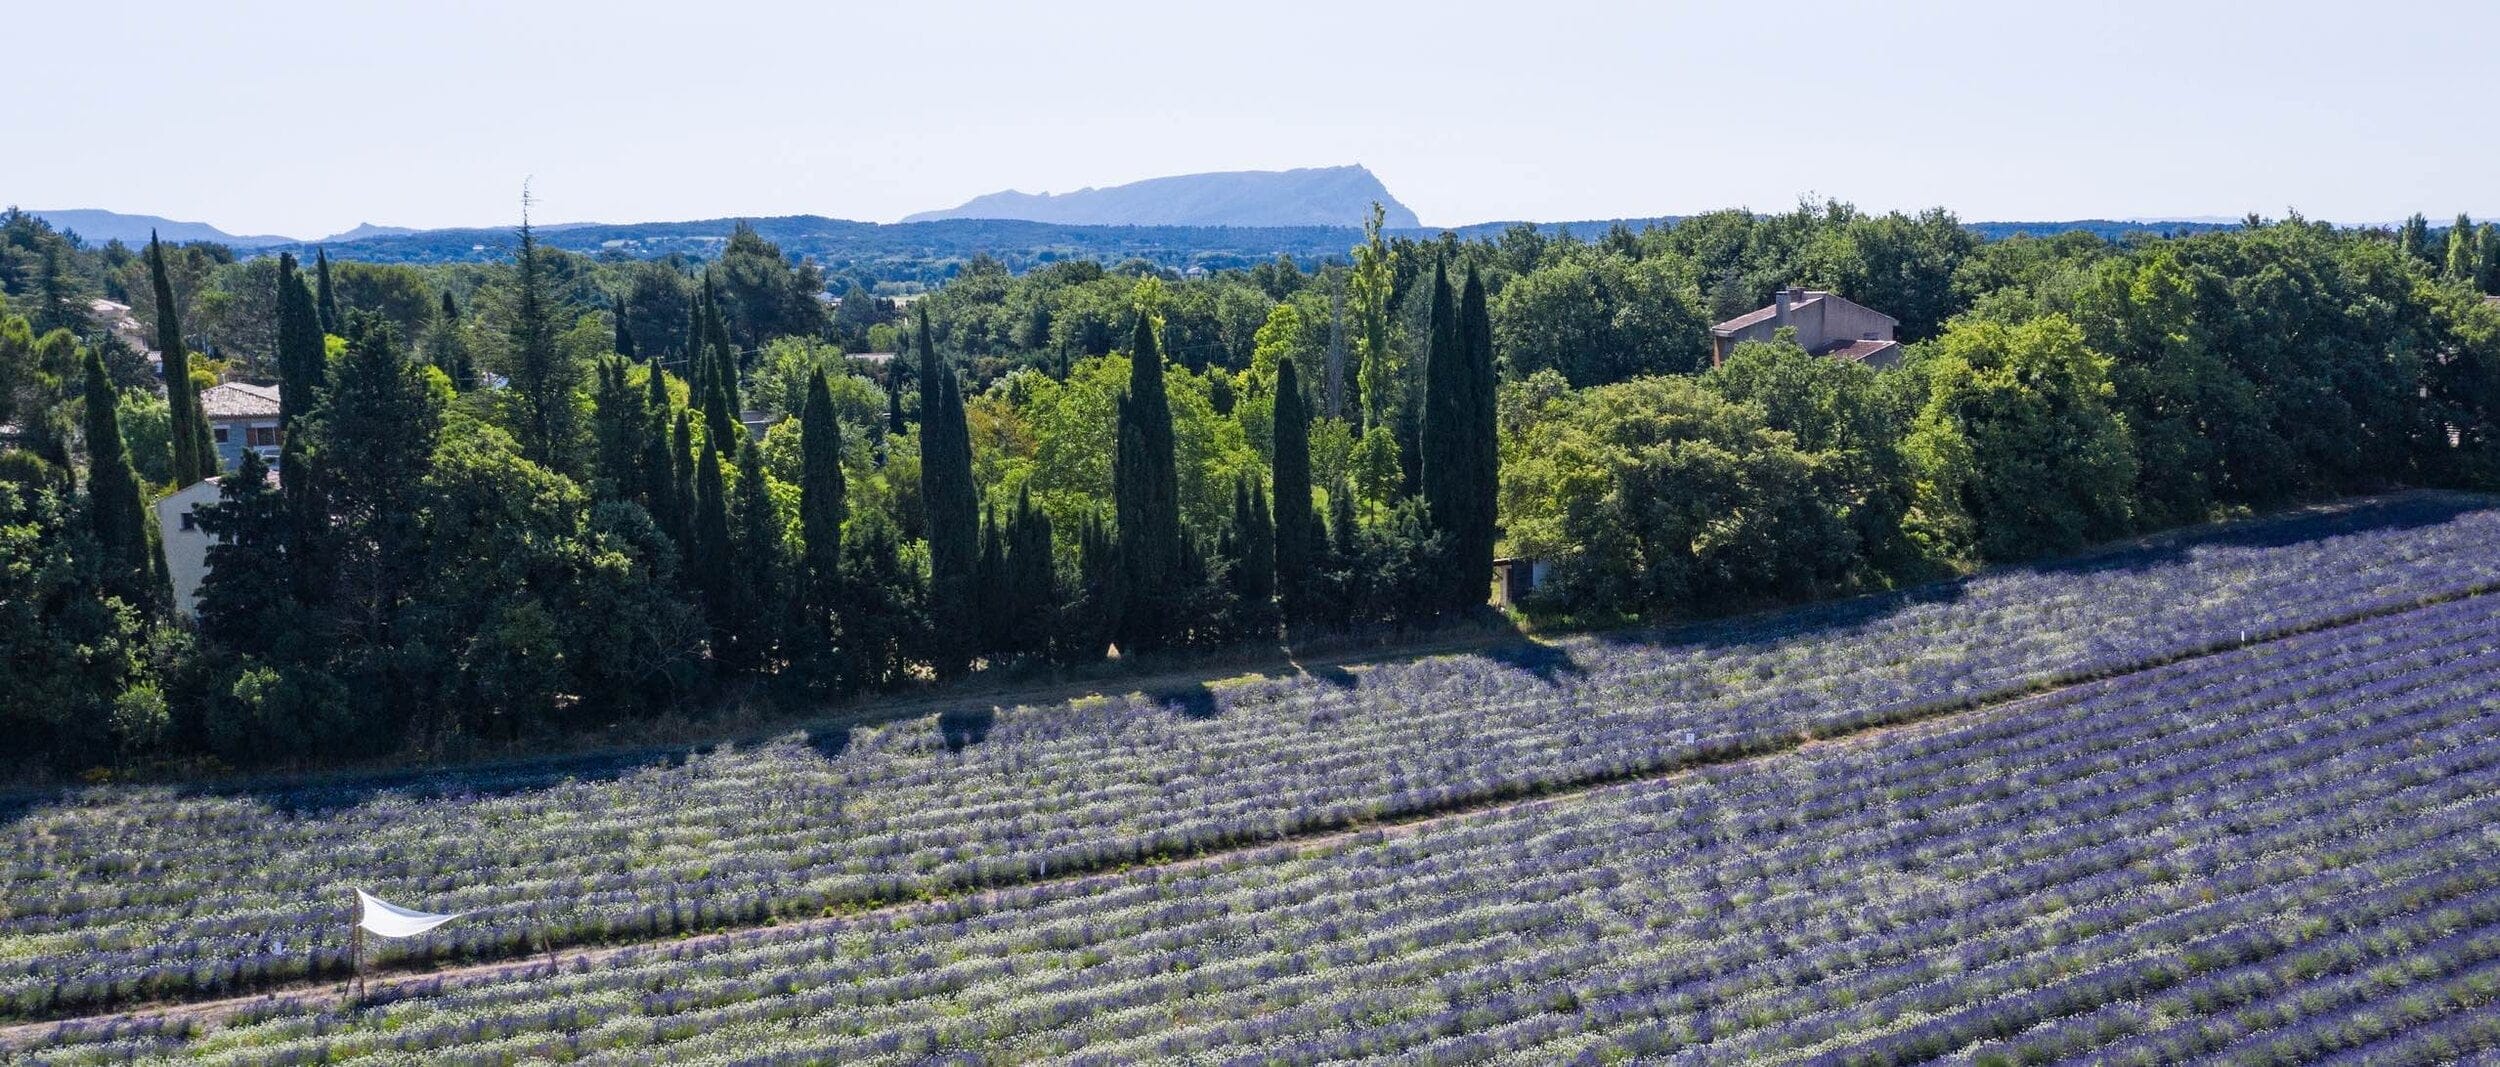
2281 852
113 895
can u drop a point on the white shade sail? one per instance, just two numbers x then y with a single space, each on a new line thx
390 920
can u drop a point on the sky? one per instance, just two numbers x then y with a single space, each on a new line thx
306 118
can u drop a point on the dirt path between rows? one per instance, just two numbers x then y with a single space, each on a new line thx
391 985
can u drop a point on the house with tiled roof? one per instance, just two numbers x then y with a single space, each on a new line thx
242 415
1827 324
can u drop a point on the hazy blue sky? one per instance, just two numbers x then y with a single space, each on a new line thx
306 118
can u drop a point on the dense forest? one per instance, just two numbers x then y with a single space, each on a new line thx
560 492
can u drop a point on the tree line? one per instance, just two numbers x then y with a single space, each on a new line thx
566 493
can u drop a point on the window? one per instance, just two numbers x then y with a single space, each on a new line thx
264 436
190 521
221 434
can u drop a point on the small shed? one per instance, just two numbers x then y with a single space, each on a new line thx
1515 577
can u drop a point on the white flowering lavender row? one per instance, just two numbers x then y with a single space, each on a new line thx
123 895
2312 810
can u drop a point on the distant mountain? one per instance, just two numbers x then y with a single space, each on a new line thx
98 227
1311 196
367 229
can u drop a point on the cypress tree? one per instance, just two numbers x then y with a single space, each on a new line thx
759 592
992 600
194 453
1254 562
708 561
821 507
894 409
244 594
621 425
624 336
1298 543
681 483
658 491
1345 553
1032 579
114 507
328 297
1085 630
952 504
1480 453
304 364
1146 493
1442 445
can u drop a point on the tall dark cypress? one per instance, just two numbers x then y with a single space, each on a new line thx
1479 507
194 454
708 562
624 336
620 423
658 491
719 381
1298 544
1032 579
681 457
304 366
328 297
992 600
1447 452
952 503
114 508
821 506
759 589
1146 494
1253 555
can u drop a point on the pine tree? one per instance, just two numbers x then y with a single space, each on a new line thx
304 364
1298 543
545 379
195 455
759 589
244 594
449 347
1146 493
327 297
376 434
114 507
952 503
821 510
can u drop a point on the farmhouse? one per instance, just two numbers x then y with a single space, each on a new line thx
242 416
1827 324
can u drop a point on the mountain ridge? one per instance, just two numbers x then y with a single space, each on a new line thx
1304 196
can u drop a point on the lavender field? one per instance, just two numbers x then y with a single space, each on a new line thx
2281 853
117 895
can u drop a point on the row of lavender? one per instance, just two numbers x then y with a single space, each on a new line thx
2279 852
116 896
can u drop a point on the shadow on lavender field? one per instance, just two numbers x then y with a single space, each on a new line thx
1549 663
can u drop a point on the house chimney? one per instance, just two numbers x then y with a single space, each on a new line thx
1779 307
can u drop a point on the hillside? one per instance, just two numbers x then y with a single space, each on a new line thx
1311 196
97 227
